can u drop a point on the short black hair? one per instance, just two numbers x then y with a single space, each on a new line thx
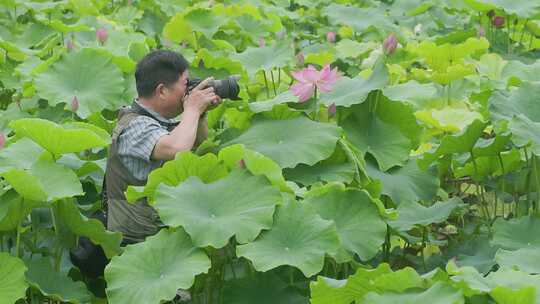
160 66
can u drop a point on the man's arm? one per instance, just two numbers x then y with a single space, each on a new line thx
182 138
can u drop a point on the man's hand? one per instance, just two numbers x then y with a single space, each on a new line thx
201 97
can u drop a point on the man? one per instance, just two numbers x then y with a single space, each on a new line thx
146 136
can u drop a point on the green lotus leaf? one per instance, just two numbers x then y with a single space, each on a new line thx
523 232
477 253
449 119
507 295
290 142
255 162
491 66
254 59
328 172
365 131
58 139
407 183
254 27
468 279
412 92
349 91
170 7
20 155
10 211
267 105
485 166
400 115
88 75
118 47
13 51
525 133
55 285
299 238
442 293
412 213
521 101
358 223
90 228
522 8
152 271
211 213
348 15
44 181
347 48
522 71
524 259
492 146
205 21
462 142
185 164
326 290
12 281
515 280
264 288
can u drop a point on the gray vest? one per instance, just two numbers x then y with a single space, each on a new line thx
138 220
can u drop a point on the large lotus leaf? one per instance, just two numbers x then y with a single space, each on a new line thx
485 166
400 115
523 232
365 130
525 132
359 19
453 118
154 270
44 181
412 92
205 21
468 279
264 288
515 279
299 238
349 91
441 293
254 59
519 101
506 295
492 66
524 259
347 48
58 139
524 72
522 8
359 225
492 146
267 105
12 282
186 164
477 253
88 75
20 155
55 285
255 162
238 205
90 228
462 142
179 30
412 213
328 172
291 142
407 183
326 290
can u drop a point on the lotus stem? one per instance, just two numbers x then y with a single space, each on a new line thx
273 82
266 84
523 31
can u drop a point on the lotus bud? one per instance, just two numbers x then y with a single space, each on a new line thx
300 58
498 21
102 35
481 31
74 104
332 110
390 44
69 44
262 43
2 140
331 37
242 164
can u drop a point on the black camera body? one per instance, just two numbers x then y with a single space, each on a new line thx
224 88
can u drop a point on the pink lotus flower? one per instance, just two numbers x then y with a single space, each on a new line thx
102 35
310 79
498 21
2 140
300 58
332 110
390 44
262 43
74 104
331 37
69 44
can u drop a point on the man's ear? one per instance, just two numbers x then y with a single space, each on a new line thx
160 91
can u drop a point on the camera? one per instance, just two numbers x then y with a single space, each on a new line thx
224 88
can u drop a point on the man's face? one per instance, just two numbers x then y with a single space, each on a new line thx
174 96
